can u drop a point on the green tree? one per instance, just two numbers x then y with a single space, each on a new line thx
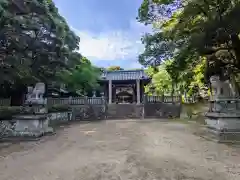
161 80
82 78
186 31
35 41
114 68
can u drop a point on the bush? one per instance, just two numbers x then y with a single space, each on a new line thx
7 112
59 108
195 111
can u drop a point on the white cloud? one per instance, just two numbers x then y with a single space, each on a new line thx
134 65
113 45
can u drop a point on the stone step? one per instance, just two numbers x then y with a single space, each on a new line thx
217 136
209 134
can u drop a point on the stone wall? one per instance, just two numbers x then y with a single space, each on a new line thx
162 110
124 111
88 112
59 118
90 109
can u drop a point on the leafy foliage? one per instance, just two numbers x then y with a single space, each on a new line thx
161 81
82 77
192 33
114 68
36 44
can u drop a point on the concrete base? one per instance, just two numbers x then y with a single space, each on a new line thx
223 127
217 136
32 125
60 117
223 121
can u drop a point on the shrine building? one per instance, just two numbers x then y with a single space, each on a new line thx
124 86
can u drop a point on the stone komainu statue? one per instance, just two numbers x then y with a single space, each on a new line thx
35 95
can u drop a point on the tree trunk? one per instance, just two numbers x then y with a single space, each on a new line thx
172 93
234 85
236 47
18 95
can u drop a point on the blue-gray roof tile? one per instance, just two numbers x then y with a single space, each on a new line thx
124 75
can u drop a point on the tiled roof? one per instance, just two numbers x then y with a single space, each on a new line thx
124 75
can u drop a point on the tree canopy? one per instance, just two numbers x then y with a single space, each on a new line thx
36 44
82 77
193 33
161 81
114 68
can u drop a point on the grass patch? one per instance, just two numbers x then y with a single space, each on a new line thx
195 112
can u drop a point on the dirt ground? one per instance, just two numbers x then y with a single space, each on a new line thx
121 150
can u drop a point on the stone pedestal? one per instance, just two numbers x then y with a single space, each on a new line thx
223 118
223 127
223 121
32 125
33 120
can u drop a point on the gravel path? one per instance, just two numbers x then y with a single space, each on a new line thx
121 150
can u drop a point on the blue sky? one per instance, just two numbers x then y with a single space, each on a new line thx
109 32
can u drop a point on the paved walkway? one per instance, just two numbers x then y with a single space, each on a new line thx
120 150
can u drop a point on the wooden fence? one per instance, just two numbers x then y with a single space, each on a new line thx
189 100
96 100
170 99
165 99
101 100
76 100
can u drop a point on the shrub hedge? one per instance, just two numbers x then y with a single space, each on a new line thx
7 112
59 108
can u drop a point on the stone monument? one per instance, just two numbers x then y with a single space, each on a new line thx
33 122
223 117
35 96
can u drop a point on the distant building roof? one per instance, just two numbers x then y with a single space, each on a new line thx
124 75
